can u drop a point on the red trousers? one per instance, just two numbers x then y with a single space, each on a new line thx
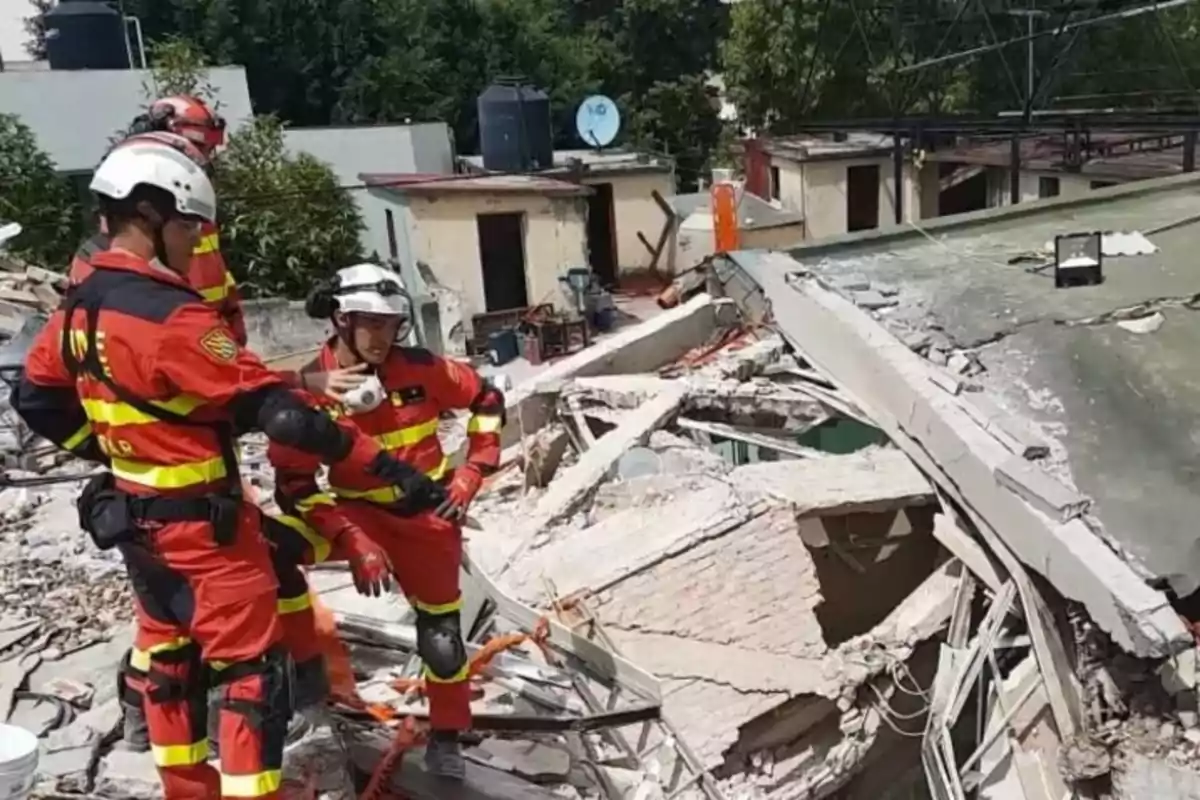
205 613
426 555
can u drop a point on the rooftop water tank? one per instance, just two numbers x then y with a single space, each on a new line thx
86 34
514 127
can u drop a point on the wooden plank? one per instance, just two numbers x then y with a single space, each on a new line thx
757 439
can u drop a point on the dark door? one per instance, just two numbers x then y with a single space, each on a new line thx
502 258
602 235
862 197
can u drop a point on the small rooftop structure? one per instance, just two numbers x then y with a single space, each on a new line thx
829 147
432 184
1117 155
594 162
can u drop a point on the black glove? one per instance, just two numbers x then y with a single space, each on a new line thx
420 491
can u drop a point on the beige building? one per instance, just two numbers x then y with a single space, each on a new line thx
621 205
839 185
496 242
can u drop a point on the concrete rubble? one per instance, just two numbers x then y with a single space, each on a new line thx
752 585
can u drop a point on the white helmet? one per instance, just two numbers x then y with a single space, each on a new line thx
371 289
150 163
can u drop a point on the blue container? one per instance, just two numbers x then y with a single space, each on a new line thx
502 346
603 319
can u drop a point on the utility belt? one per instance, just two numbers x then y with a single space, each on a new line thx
404 506
112 516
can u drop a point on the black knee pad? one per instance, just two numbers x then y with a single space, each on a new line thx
164 687
272 711
440 644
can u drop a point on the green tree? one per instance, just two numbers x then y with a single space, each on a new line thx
33 194
285 221
35 26
284 218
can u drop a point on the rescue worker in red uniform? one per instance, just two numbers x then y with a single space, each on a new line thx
136 372
204 130
400 406
287 537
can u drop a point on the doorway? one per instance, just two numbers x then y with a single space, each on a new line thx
602 235
502 259
862 197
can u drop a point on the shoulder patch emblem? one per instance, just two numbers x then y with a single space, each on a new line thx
219 344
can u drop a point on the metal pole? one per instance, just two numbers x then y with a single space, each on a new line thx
1029 61
898 176
1189 151
1014 178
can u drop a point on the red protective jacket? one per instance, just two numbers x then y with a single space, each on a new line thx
208 275
420 388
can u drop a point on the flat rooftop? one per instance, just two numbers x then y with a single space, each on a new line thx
1120 405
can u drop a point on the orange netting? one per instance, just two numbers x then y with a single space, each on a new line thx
485 654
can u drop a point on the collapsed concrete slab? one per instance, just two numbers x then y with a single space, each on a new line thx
636 349
891 383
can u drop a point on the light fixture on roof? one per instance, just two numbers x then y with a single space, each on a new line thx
1078 259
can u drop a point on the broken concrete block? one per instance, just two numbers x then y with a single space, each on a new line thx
872 301
1041 489
124 775
1148 324
544 453
853 284
959 363
1015 434
67 753
917 340
937 356
531 760
946 381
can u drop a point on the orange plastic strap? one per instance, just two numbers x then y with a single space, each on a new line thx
484 655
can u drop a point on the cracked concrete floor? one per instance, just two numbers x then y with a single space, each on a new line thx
1121 405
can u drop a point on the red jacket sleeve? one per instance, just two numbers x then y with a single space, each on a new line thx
299 494
46 398
454 386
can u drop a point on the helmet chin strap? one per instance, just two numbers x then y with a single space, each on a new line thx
346 334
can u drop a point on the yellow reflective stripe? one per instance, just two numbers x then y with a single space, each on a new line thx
407 437
320 545
180 755
383 495
457 677
293 605
140 659
439 472
251 785
169 477
207 244
78 437
440 608
386 495
314 500
215 294
484 424
117 413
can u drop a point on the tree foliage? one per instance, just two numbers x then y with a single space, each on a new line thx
321 62
33 194
284 219
35 26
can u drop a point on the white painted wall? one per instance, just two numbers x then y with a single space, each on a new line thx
1070 185
634 210
353 151
75 113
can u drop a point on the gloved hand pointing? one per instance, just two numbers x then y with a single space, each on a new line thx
461 491
369 564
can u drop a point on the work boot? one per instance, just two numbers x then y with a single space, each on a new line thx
311 689
136 733
443 756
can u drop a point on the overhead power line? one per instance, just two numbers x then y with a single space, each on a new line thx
1056 31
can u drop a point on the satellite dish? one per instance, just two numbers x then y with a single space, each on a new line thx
598 121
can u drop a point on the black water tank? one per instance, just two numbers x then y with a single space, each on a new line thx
84 34
514 128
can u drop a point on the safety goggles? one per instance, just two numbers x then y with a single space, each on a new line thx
382 288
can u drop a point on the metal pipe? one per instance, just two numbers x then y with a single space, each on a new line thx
141 42
974 51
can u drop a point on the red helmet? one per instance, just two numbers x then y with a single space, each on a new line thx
189 117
